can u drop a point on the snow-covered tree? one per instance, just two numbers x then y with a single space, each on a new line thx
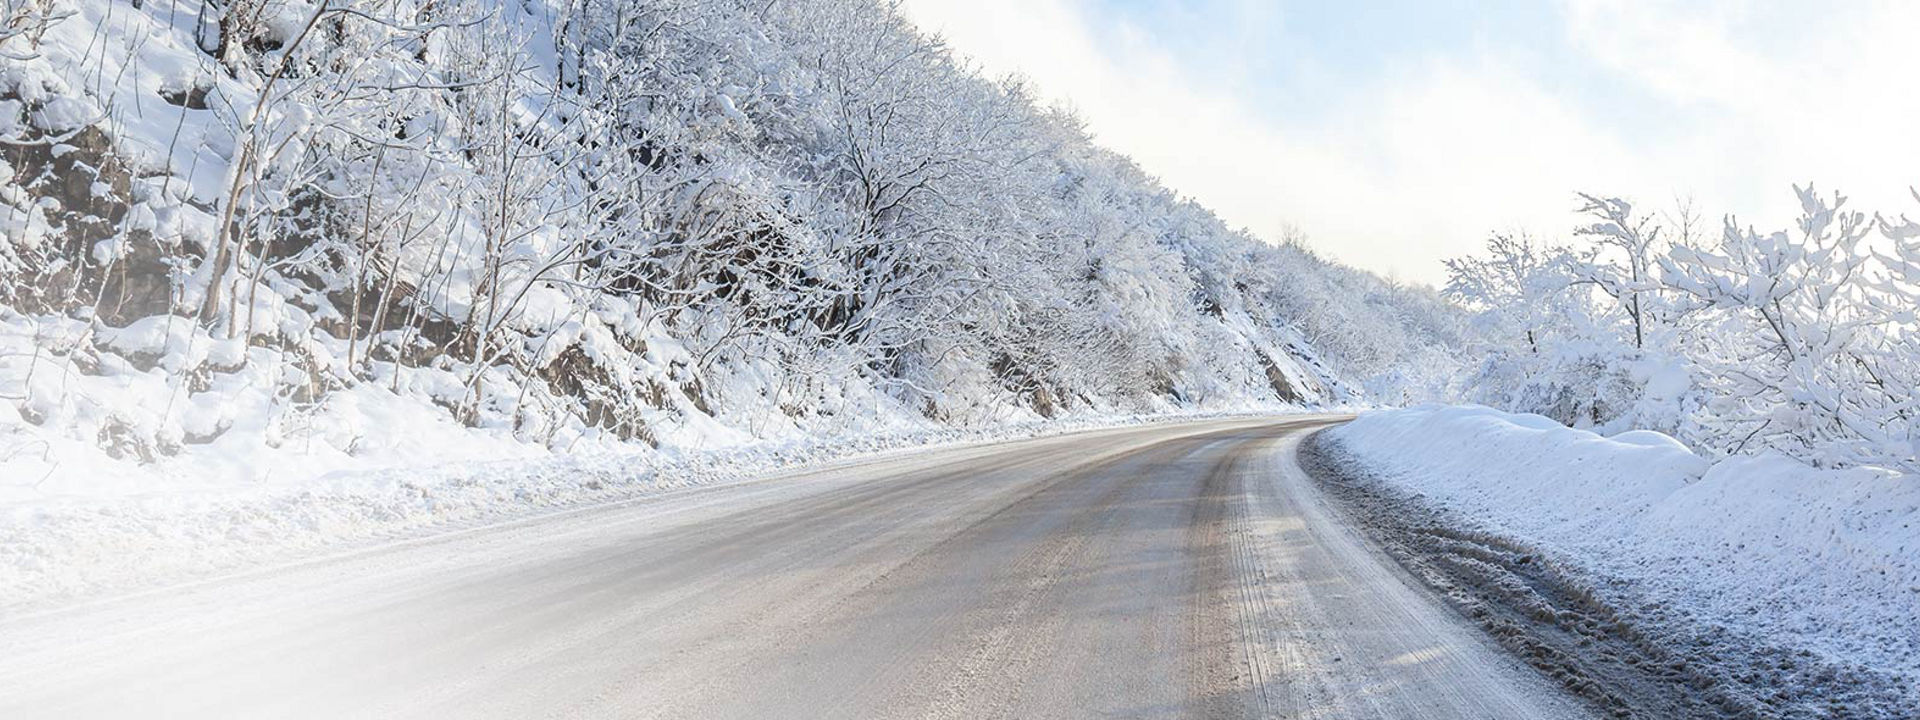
1798 341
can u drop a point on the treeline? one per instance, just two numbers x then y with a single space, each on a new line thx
1732 339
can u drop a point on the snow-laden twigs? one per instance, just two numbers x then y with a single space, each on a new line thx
1799 341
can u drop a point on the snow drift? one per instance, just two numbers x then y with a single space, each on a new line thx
1816 559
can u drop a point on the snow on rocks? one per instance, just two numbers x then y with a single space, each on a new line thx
1818 559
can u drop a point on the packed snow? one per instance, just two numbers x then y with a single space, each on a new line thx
1819 559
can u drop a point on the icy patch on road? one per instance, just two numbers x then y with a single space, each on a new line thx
1764 547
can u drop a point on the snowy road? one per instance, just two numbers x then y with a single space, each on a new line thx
1184 570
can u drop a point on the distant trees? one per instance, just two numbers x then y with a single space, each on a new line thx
1798 341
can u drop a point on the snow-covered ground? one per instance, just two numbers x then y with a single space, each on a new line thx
1822 560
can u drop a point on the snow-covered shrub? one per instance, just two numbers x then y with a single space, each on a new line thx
1556 337
1805 329
1798 341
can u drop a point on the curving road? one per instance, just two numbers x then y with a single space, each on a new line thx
1185 570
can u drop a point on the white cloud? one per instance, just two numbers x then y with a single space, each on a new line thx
1421 163
1810 93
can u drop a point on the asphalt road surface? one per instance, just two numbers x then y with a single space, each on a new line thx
1179 570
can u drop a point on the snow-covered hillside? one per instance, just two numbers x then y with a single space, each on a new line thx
258 241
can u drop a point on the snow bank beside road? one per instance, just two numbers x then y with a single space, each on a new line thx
1822 560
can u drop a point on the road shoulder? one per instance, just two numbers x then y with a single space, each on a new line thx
1348 633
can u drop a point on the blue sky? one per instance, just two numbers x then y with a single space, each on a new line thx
1295 54
1397 134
